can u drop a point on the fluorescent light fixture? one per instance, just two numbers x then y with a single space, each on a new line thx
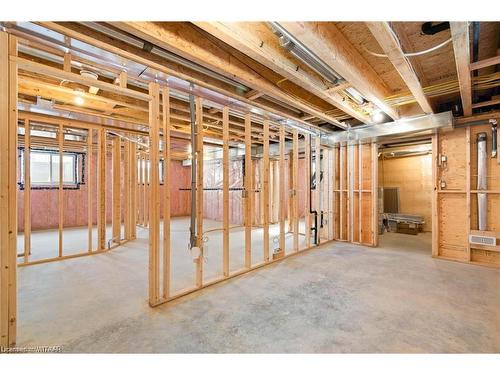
301 52
355 95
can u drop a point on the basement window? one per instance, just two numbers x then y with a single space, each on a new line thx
44 168
141 164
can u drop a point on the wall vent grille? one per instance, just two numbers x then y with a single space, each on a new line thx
482 240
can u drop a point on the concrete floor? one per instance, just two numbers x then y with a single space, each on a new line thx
336 298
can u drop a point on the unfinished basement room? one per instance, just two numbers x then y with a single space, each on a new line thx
250 187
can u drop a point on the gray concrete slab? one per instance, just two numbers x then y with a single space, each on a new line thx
336 298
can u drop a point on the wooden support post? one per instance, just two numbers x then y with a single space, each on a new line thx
342 218
90 210
127 186
8 190
116 189
225 192
167 181
133 198
101 190
27 190
281 187
360 192
374 188
335 213
147 185
289 211
308 190
295 198
435 208
142 161
275 191
154 199
331 193
199 190
265 190
248 191
317 195
60 136
467 188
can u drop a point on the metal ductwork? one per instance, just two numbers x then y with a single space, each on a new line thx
301 52
482 184
419 124
431 28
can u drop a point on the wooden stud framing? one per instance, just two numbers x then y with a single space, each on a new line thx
331 194
8 190
116 189
374 192
27 190
435 212
467 187
317 192
133 190
101 190
248 191
342 149
199 191
294 196
225 192
360 191
166 191
307 201
281 187
126 190
289 188
154 201
60 136
90 206
265 190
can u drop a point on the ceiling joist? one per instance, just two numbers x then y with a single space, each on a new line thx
387 40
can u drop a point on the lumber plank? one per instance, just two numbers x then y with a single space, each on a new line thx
461 48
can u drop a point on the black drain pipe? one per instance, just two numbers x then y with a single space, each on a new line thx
315 227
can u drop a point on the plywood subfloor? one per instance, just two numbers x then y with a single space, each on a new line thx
336 298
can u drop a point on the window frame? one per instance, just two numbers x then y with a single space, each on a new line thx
78 177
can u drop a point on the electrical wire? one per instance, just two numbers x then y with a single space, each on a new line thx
483 82
412 54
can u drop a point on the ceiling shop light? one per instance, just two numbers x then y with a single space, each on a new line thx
156 50
301 52
355 96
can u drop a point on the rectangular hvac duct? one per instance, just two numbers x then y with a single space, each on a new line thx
399 127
